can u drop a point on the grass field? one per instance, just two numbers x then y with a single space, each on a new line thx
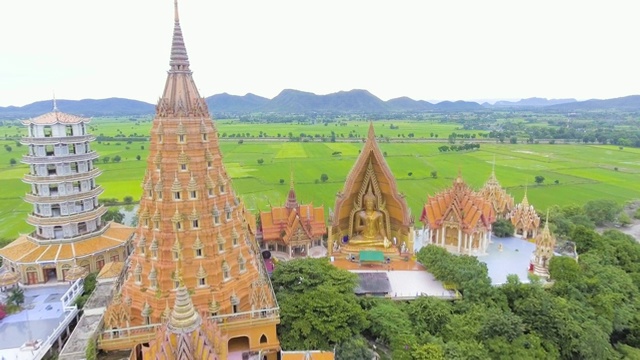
583 172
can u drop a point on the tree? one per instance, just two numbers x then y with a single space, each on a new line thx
105 159
411 174
324 177
318 306
138 157
116 159
113 215
354 348
434 174
281 181
260 161
539 179
16 296
624 219
502 228
12 162
513 140
602 211
128 199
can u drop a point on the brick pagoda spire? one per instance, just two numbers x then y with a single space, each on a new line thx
192 222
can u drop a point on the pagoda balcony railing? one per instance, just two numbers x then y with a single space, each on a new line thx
57 158
226 322
52 179
38 220
56 198
57 140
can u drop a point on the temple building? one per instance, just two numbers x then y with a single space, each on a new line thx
525 219
370 213
545 247
500 200
189 214
458 219
292 229
69 232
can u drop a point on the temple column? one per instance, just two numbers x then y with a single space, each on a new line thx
306 253
459 239
444 230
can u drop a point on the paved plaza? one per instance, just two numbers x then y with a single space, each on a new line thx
513 258
41 315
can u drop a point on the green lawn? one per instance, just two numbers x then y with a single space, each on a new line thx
583 172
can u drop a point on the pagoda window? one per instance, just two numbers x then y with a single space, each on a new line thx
226 271
205 137
82 227
179 225
221 247
49 150
182 139
146 223
242 264
160 138
147 320
156 225
227 215
68 130
53 190
153 284
202 281
183 167
154 253
150 194
195 224
51 170
74 167
47 131
216 219
221 188
175 255
209 164
193 194
138 278
142 250
210 191
198 252
176 195
71 148
159 195
115 258
158 167
235 304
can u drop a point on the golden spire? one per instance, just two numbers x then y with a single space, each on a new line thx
525 201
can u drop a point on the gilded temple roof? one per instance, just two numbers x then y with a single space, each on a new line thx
501 201
24 250
524 215
458 203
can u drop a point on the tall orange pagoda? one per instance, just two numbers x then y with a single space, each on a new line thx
192 222
458 219
293 229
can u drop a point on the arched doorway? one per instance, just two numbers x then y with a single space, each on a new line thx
239 344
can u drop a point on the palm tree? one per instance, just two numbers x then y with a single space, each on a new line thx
16 296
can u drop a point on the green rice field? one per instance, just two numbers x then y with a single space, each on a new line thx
582 172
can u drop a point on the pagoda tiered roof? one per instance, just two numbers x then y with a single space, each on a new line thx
460 204
501 201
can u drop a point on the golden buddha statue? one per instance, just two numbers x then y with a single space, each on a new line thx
369 225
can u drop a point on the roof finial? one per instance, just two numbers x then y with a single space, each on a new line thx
546 222
55 103
179 59
372 134
291 170
493 166
175 9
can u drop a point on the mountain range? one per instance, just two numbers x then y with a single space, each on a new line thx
291 101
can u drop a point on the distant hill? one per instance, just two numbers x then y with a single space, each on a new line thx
86 107
291 101
353 101
626 103
533 102
225 103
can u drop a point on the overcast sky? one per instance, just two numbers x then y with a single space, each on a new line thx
428 50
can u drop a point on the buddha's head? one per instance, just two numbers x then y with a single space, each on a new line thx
369 200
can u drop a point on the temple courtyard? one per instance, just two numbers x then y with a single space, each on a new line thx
42 313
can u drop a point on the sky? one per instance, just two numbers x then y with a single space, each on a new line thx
423 49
